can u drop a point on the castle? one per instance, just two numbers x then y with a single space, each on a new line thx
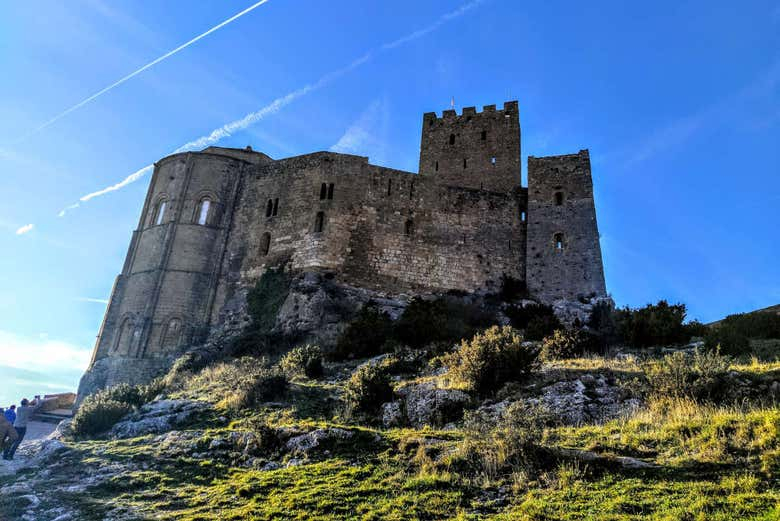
214 221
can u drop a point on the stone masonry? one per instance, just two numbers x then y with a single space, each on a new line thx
214 221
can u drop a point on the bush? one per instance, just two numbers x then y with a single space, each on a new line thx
260 385
565 343
734 332
442 320
512 288
492 358
508 445
658 324
536 320
365 336
601 322
695 329
303 360
98 413
267 297
367 389
679 375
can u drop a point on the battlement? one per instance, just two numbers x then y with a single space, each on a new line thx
430 118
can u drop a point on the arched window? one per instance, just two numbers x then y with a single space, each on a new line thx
159 213
558 198
124 341
319 222
464 163
203 211
452 139
323 191
522 216
172 335
265 244
269 208
558 241
409 227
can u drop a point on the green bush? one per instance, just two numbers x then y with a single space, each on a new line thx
695 329
365 336
259 385
601 323
679 375
135 395
565 343
367 389
98 413
441 320
658 324
535 320
733 334
303 360
267 297
492 358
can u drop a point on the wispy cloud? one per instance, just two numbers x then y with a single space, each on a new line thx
27 228
139 71
367 134
727 109
42 353
92 300
279 103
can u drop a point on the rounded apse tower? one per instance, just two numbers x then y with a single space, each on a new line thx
162 299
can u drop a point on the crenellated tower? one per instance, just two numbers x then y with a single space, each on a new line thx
473 150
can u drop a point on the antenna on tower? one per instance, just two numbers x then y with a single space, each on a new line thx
452 103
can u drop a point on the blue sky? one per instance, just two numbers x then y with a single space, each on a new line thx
678 102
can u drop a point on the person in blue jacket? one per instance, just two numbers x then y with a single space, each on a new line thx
10 414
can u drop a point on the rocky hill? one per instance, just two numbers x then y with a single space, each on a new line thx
494 427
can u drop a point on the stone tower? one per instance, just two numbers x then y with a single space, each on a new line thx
478 150
564 254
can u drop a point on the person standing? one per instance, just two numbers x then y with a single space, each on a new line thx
10 414
8 433
23 414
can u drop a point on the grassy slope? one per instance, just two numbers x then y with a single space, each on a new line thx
714 463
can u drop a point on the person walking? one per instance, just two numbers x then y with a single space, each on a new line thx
8 434
10 414
23 414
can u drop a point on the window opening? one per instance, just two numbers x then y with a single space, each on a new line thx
160 211
452 139
276 206
203 213
265 244
484 135
330 191
269 208
558 198
558 239
409 227
323 191
389 186
319 222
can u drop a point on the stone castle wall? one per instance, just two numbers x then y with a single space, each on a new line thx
214 221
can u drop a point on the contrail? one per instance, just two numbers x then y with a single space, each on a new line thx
279 103
139 71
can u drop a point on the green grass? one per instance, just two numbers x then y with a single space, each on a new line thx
713 463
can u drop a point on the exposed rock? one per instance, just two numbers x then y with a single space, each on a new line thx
427 404
586 399
319 439
158 417
393 414
571 311
63 429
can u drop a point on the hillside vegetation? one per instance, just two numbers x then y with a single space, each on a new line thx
463 421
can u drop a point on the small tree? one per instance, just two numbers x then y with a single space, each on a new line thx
365 335
303 360
564 343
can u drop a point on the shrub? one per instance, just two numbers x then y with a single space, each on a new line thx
303 360
135 395
695 329
508 445
98 413
260 385
658 324
565 343
601 323
441 320
512 288
365 335
540 327
520 316
267 297
492 358
367 389
680 375
733 333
